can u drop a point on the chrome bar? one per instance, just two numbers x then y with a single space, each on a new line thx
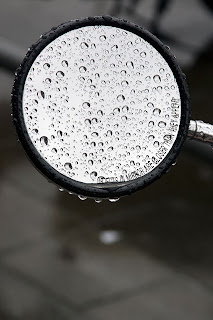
201 131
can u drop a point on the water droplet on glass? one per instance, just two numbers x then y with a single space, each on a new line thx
87 121
102 38
120 98
86 105
151 123
46 66
41 94
84 45
150 105
123 72
59 133
114 48
68 165
162 124
116 110
59 74
130 65
54 150
167 137
93 175
151 137
157 79
82 69
156 144
156 112
124 83
65 63
143 54
125 109
44 141
48 80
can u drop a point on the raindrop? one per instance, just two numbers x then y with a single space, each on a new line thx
44 141
150 105
84 45
151 137
86 105
116 110
82 197
109 133
82 69
60 74
162 124
68 165
123 72
124 118
102 38
157 79
114 200
130 64
46 66
156 144
120 98
143 54
151 123
98 200
41 94
64 63
95 134
167 137
156 112
87 121
59 133
93 175
54 150
100 112
48 80
124 83
159 89
125 109
114 48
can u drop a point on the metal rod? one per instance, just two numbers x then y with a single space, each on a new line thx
201 131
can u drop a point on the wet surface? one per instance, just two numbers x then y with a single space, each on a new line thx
155 261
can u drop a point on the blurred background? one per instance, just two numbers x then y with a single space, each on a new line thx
148 256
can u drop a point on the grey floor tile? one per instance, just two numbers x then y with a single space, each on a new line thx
95 271
24 302
180 298
22 216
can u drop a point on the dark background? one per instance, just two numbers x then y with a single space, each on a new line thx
148 256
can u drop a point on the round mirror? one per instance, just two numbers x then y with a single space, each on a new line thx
101 107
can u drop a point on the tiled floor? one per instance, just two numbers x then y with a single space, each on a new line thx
54 261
